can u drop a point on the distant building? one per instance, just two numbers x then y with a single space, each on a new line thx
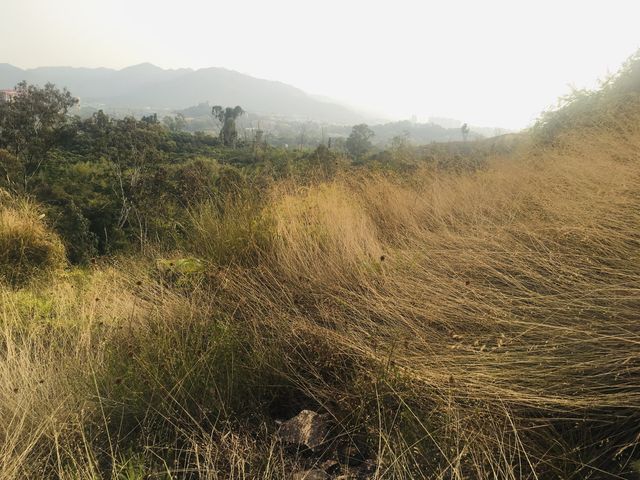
7 95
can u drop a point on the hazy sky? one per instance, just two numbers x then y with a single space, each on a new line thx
486 62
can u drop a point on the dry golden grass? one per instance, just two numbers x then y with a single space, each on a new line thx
476 325
27 247
507 300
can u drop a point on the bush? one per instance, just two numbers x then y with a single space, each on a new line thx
27 247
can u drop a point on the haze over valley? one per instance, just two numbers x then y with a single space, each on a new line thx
285 112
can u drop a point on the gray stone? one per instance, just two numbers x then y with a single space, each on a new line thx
308 429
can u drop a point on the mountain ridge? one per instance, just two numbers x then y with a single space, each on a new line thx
148 86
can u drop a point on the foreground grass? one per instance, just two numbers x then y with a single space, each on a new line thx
482 325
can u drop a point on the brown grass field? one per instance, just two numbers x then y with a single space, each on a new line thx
479 325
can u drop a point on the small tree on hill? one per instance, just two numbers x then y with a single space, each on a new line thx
464 129
175 124
227 117
359 141
151 119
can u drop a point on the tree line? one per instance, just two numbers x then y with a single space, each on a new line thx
111 183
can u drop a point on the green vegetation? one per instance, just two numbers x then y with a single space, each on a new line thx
359 142
100 180
31 125
227 118
467 310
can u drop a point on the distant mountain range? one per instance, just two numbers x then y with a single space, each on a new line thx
147 86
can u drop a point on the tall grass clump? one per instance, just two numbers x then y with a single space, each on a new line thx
229 229
28 248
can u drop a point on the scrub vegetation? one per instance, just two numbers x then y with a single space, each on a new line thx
456 311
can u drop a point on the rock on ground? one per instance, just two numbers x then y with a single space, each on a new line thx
308 428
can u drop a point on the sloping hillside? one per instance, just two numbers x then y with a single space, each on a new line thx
436 324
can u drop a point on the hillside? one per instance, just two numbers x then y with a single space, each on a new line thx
146 86
268 314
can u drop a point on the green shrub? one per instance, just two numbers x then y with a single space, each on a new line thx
27 247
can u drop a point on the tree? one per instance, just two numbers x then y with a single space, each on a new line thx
359 141
464 129
150 119
400 147
227 117
175 124
32 123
